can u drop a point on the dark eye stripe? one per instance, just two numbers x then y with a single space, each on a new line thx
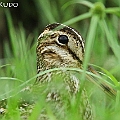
74 56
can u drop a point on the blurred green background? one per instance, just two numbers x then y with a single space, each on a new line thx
98 21
34 15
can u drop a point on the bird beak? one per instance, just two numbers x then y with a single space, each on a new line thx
109 90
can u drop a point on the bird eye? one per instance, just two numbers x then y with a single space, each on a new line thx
63 39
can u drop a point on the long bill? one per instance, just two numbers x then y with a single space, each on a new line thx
108 89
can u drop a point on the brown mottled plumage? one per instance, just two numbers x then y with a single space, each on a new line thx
62 46
59 46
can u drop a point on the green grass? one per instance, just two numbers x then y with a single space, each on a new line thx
102 49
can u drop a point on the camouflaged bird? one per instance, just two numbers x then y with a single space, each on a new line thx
59 46
62 46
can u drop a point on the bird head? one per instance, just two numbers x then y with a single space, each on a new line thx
60 46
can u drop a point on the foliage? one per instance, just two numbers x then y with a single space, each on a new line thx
102 43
